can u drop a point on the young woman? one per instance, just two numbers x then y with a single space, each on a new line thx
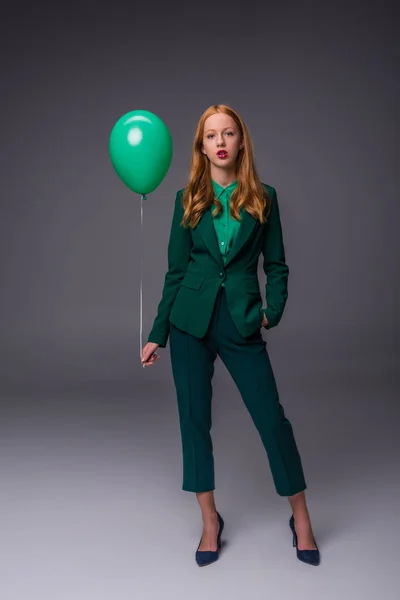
211 305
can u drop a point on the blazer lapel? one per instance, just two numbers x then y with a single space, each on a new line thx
206 229
246 228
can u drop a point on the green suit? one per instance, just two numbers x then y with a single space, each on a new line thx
211 306
196 270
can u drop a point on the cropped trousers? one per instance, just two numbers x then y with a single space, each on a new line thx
248 363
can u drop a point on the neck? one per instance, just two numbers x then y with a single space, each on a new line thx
223 177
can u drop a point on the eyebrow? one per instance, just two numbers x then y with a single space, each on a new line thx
230 127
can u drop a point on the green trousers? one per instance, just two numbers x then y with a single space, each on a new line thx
248 363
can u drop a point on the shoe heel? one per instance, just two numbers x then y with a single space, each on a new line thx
312 557
206 557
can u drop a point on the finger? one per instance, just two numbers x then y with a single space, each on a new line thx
152 359
150 362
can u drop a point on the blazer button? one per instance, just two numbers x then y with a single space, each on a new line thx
221 274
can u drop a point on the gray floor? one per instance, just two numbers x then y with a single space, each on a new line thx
91 499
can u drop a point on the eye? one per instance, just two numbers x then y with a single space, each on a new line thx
229 133
210 135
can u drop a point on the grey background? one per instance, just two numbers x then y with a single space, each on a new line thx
91 500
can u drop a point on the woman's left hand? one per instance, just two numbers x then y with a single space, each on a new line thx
264 321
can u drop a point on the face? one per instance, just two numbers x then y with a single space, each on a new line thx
221 134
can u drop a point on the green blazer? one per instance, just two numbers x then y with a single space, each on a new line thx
196 270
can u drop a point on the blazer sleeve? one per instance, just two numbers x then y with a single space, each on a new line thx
275 267
179 246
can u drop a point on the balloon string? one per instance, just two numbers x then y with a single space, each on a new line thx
143 197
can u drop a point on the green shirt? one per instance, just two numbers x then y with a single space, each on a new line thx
226 228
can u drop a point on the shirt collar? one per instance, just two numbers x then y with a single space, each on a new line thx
218 189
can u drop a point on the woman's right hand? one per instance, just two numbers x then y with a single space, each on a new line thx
149 354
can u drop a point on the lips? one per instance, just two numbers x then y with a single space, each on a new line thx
222 153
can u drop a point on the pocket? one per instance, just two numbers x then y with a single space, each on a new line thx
193 281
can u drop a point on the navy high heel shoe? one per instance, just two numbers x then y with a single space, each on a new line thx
206 557
311 557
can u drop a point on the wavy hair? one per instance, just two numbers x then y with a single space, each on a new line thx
250 193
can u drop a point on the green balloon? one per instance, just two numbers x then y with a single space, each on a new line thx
140 149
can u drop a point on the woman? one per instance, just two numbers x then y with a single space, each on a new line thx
211 305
